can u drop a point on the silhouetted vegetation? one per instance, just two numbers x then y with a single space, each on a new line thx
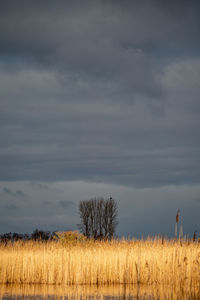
36 235
98 218
41 235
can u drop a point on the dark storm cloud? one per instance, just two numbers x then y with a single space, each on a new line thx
10 192
101 91
99 40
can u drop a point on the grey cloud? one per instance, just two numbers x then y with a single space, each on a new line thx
7 191
61 204
47 203
20 193
97 42
12 207
100 91
66 203
17 193
39 185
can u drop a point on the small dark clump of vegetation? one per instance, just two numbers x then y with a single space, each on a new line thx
36 235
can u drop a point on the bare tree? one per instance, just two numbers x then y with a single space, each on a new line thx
98 217
109 217
84 215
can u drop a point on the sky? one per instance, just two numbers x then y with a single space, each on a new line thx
100 98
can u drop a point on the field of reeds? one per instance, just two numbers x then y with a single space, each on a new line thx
151 262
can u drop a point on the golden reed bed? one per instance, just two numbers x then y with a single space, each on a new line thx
148 262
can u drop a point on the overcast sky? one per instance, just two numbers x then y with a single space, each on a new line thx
100 98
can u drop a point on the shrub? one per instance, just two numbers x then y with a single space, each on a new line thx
70 237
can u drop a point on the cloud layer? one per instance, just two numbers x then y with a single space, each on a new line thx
101 92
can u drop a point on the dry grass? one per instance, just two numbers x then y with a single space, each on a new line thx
146 262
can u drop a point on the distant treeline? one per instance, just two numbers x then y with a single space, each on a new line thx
36 235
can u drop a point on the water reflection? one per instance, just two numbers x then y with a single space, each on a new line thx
117 292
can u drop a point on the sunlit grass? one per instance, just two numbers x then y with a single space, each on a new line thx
148 262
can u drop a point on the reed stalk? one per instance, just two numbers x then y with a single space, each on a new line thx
104 263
